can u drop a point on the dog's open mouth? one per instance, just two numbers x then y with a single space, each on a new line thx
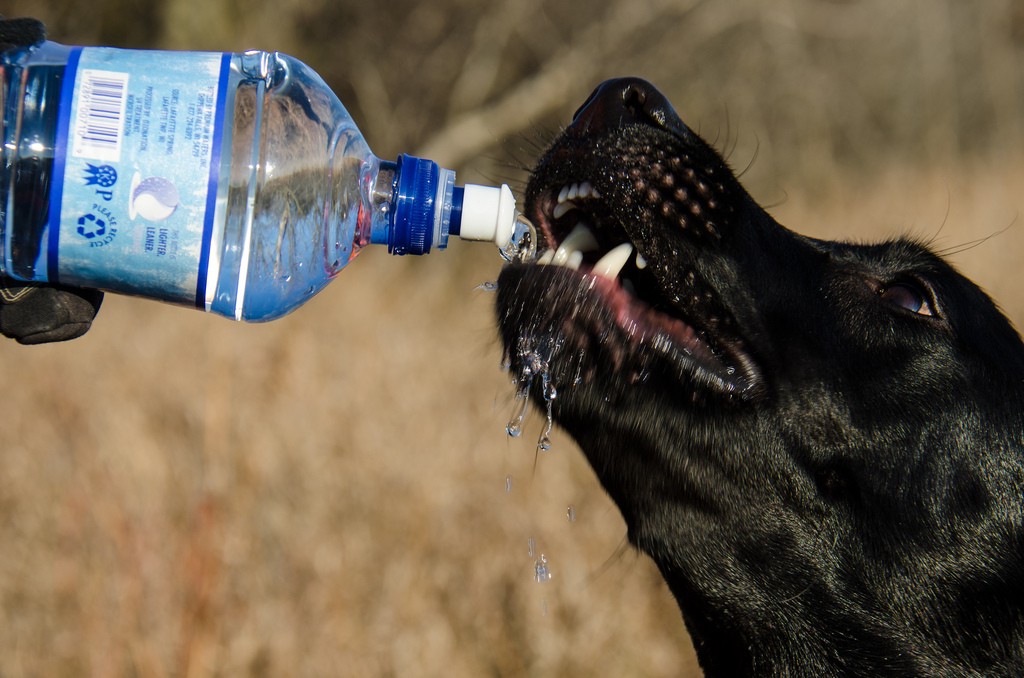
588 239
617 288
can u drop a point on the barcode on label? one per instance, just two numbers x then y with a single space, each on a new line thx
99 128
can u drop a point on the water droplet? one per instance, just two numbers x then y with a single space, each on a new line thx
523 246
515 425
570 513
533 547
544 442
541 571
508 484
488 286
532 364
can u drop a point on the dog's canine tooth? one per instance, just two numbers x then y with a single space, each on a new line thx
611 263
546 258
641 263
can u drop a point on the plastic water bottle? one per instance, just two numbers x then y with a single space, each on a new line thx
235 183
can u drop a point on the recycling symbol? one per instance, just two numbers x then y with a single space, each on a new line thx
91 226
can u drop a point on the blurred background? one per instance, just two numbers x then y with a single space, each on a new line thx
333 493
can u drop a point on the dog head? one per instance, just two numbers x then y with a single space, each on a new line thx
819 443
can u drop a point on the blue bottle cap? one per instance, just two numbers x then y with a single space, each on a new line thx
412 230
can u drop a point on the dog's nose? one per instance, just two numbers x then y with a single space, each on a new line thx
626 101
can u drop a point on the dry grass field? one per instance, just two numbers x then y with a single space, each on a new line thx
333 493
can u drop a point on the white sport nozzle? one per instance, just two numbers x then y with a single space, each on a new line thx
488 213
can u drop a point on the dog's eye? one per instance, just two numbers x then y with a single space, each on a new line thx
908 296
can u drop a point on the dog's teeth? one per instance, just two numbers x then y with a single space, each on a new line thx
570 192
641 263
610 264
579 239
562 208
546 257
575 259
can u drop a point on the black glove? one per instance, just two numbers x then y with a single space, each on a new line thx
32 313
20 32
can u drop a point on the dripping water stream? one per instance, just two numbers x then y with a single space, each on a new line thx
532 358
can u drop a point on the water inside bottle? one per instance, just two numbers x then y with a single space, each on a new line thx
28 175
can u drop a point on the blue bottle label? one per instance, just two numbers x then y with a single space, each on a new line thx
138 159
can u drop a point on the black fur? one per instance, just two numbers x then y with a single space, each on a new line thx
831 479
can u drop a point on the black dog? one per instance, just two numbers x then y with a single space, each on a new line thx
820 444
